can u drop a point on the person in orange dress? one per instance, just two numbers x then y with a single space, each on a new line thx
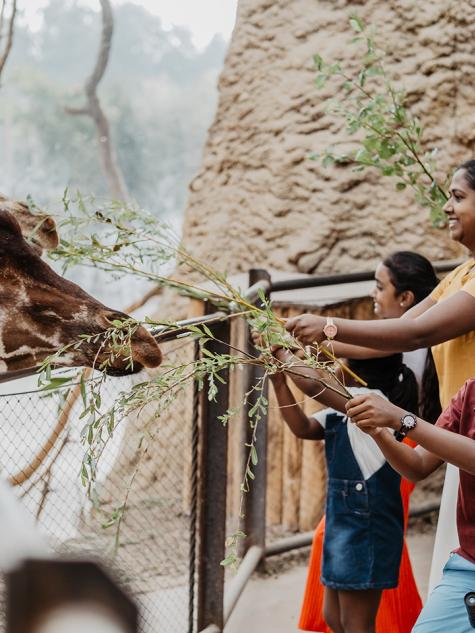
402 280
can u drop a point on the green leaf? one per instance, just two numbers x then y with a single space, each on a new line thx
374 71
318 61
400 186
254 458
320 80
207 330
229 560
356 24
328 160
83 391
54 383
362 77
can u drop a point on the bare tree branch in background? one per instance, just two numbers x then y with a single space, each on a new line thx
7 23
93 107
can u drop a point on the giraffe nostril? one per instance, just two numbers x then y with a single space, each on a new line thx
49 224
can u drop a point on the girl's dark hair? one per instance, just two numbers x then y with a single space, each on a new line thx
411 271
392 377
469 167
414 272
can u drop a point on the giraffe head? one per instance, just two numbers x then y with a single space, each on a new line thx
40 312
38 228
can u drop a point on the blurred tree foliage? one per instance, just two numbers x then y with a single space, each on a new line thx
159 93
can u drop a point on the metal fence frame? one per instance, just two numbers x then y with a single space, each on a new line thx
215 601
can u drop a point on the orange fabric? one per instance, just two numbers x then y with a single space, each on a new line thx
399 607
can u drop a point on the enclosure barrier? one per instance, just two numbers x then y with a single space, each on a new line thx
208 475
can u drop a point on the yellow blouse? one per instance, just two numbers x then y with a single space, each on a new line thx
455 359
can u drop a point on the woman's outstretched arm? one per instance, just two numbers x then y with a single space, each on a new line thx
434 325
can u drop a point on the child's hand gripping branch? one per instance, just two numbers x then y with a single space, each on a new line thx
300 424
435 444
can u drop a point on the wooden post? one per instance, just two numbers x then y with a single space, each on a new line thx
275 446
291 466
255 499
212 495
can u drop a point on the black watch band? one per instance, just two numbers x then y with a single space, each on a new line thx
408 422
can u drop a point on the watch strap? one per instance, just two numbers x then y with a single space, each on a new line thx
406 426
330 329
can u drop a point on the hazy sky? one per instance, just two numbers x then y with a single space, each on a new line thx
204 18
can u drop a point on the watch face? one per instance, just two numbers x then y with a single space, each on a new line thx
408 421
330 330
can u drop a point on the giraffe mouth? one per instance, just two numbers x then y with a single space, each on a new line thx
124 371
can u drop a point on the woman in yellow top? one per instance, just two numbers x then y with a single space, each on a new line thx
445 321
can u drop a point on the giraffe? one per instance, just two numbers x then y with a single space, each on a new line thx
40 312
38 228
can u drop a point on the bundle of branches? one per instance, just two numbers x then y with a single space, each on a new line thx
125 240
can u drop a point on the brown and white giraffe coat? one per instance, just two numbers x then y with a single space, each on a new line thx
37 227
40 312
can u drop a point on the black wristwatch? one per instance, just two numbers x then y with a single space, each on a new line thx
408 422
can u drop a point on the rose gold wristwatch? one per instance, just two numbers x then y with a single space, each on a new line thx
330 329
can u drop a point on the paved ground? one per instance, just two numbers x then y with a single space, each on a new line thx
272 603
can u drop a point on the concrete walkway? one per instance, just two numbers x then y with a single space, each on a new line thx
272 603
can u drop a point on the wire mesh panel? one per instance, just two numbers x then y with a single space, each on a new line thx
140 520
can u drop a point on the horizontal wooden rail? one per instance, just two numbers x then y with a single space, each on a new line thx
345 278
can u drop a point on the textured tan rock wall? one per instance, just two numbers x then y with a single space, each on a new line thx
259 201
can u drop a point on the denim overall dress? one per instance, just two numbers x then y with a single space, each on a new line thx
364 518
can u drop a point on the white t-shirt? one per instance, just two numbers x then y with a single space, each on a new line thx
367 453
416 360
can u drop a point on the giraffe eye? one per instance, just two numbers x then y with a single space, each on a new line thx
46 312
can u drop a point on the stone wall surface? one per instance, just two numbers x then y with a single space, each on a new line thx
259 201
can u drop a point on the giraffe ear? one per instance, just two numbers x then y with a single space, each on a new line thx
8 224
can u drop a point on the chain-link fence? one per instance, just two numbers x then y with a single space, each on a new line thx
147 467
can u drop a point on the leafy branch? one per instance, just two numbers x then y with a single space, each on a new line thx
388 137
121 239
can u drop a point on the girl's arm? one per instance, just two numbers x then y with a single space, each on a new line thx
412 463
369 410
434 325
307 380
302 426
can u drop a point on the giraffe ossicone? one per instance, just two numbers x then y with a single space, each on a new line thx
38 228
41 312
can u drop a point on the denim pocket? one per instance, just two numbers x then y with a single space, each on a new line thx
356 499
